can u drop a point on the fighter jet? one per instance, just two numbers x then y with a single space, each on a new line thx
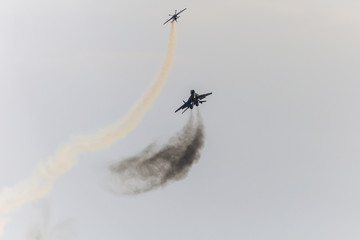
194 99
175 16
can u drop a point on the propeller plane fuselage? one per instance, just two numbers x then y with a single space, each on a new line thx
174 16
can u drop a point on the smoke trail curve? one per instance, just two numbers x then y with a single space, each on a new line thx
45 174
155 167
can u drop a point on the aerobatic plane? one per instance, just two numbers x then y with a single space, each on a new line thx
175 16
194 99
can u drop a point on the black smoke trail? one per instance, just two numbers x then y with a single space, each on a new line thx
156 166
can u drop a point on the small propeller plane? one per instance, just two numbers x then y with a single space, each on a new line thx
194 99
175 16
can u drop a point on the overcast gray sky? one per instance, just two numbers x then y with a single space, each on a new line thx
281 155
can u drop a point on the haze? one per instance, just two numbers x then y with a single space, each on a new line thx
280 158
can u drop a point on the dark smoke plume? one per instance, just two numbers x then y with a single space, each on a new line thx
156 166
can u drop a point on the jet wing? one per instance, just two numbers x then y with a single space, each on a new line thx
182 107
202 96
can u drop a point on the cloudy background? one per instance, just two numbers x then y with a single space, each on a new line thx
281 155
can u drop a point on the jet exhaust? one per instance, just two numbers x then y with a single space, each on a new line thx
65 158
156 166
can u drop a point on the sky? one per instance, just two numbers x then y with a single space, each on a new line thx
280 158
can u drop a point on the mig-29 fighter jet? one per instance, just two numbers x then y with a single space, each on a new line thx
175 16
194 99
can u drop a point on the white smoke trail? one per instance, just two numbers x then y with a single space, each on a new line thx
41 182
43 229
3 221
